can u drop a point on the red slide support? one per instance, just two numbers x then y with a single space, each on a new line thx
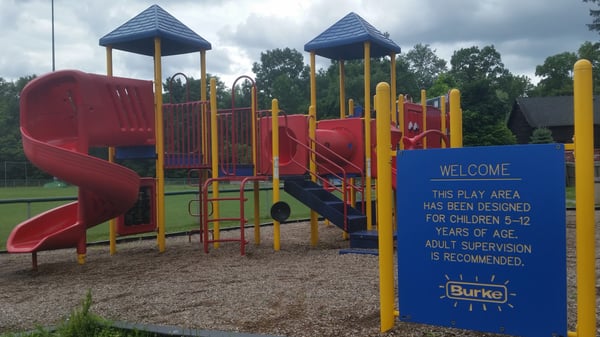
63 115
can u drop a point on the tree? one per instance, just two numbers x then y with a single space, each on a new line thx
557 71
282 74
557 75
541 136
472 64
328 83
179 89
425 65
595 14
487 93
11 149
442 85
591 52
406 81
328 88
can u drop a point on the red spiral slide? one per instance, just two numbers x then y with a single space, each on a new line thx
63 115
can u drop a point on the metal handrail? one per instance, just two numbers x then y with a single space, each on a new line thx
343 177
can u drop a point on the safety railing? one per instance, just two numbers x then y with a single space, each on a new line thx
184 143
332 169
235 135
216 218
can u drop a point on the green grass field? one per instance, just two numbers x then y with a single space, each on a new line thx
177 217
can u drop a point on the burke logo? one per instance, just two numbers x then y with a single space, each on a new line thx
479 292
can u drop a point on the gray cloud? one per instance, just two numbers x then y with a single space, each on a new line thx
524 32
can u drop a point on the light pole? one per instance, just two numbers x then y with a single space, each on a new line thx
53 59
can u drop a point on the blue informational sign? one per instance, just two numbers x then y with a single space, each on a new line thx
482 238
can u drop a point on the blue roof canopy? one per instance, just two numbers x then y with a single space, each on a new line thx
345 40
137 35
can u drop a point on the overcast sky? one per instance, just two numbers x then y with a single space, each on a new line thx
524 32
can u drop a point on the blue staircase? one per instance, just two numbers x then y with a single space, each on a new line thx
326 204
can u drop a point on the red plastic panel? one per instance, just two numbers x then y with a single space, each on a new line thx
345 138
95 110
413 124
293 143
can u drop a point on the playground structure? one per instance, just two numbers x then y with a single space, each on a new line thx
303 154
328 165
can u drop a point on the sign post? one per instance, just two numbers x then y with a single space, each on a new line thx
482 239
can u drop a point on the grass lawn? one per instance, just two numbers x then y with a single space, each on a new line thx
177 217
571 196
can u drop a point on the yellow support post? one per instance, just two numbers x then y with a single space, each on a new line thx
584 197
456 136
313 80
203 75
214 143
255 184
367 119
205 127
314 216
342 116
312 166
160 173
384 207
112 223
275 151
443 118
393 111
401 118
352 181
342 91
424 112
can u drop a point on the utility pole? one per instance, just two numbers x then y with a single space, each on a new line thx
53 59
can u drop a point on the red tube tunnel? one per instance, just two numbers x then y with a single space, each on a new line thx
340 142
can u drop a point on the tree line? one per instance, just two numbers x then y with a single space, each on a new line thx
488 88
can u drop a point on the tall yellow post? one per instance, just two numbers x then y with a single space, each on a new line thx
275 151
401 117
393 88
367 84
313 80
112 223
424 112
352 181
255 184
160 149
456 139
314 216
342 116
384 206
312 166
342 90
443 118
584 196
214 144
205 125
203 75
